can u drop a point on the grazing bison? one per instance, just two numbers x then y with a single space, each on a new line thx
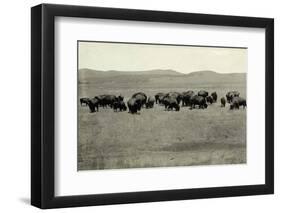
198 100
93 105
231 94
223 101
119 105
214 96
84 101
106 100
203 93
150 102
237 102
176 95
171 103
209 99
134 105
158 97
141 97
186 97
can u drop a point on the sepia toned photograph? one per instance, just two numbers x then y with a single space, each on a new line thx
160 105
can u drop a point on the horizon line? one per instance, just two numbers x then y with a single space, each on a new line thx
162 70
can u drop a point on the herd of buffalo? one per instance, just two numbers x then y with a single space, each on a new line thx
171 101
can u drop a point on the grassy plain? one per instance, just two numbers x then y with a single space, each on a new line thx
155 137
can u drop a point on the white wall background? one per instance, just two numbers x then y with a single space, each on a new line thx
15 106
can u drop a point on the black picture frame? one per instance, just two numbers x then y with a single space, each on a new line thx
43 105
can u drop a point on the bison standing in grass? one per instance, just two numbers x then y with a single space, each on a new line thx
237 102
230 95
150 102
214 96
119 105
198 100
223 101
93 105
84 101
209 99
134 105
158 97
171 103
186 97
141 97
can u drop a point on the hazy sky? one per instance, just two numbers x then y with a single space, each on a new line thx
141 57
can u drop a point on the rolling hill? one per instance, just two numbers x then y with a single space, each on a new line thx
157 78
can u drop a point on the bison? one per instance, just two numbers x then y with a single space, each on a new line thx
84 101
237 102
171 103
134 105
93 105
214 96
230 95
141 97
158 97
198 100
223 101
203 93
106 100
119 105
186 97
209 99
150 102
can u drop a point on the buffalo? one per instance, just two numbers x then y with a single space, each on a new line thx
186 97
106 100
150 102
223 101
171 103
93 105
209 99
84 101
134 105
230 95
119 105
175 95
214 96
198 100
237 102
158 97
203 93
141 97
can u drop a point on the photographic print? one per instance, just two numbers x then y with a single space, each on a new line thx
160 105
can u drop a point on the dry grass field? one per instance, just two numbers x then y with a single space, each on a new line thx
155 137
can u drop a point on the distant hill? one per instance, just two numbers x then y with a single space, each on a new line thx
157 78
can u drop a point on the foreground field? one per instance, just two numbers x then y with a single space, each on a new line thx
155 137
158 138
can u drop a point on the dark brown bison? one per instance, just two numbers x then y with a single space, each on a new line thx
106 100
198 100
119 105
237 102
209 99
223 101
158 97
186 97
231 94
141 97
203 93
93 105
150 102
176 95
214 96
84 101
134 105
171 103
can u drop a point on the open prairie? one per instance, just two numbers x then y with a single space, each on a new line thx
155 137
